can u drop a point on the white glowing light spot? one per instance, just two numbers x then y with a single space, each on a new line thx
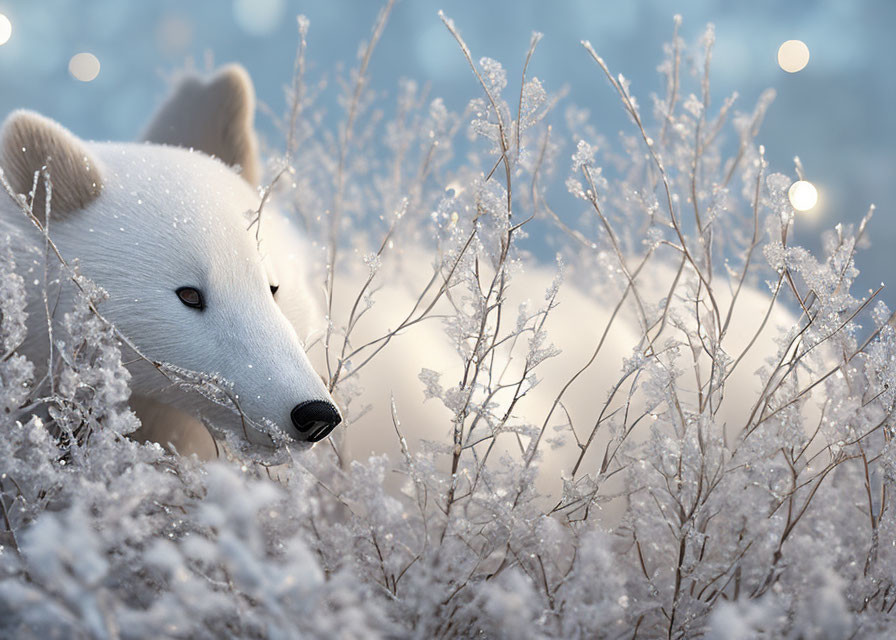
5 29
174 34
258 17
803 195
793 56
84 67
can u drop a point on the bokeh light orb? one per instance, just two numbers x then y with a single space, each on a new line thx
258 17
793 56
803 195
84 66
5 29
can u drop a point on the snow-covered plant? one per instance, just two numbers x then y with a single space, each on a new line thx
776 522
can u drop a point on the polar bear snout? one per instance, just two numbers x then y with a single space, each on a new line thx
315 419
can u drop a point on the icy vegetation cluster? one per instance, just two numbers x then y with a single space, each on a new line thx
777 527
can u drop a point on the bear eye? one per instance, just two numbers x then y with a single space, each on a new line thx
274 289
191 297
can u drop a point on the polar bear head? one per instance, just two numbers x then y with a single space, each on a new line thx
165 230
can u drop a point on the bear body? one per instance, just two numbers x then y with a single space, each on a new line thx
574 328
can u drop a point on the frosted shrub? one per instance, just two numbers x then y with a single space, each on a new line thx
15 370
774 522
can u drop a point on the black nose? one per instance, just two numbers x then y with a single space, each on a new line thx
315 419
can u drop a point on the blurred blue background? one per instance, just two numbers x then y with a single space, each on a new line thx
835 114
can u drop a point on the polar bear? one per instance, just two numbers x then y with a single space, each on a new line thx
575 327
164 231
213 117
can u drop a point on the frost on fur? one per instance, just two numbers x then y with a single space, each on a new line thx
689 505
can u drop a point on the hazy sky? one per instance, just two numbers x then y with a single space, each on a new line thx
834 114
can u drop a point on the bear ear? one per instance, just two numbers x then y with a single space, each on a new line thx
214 116
30 142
